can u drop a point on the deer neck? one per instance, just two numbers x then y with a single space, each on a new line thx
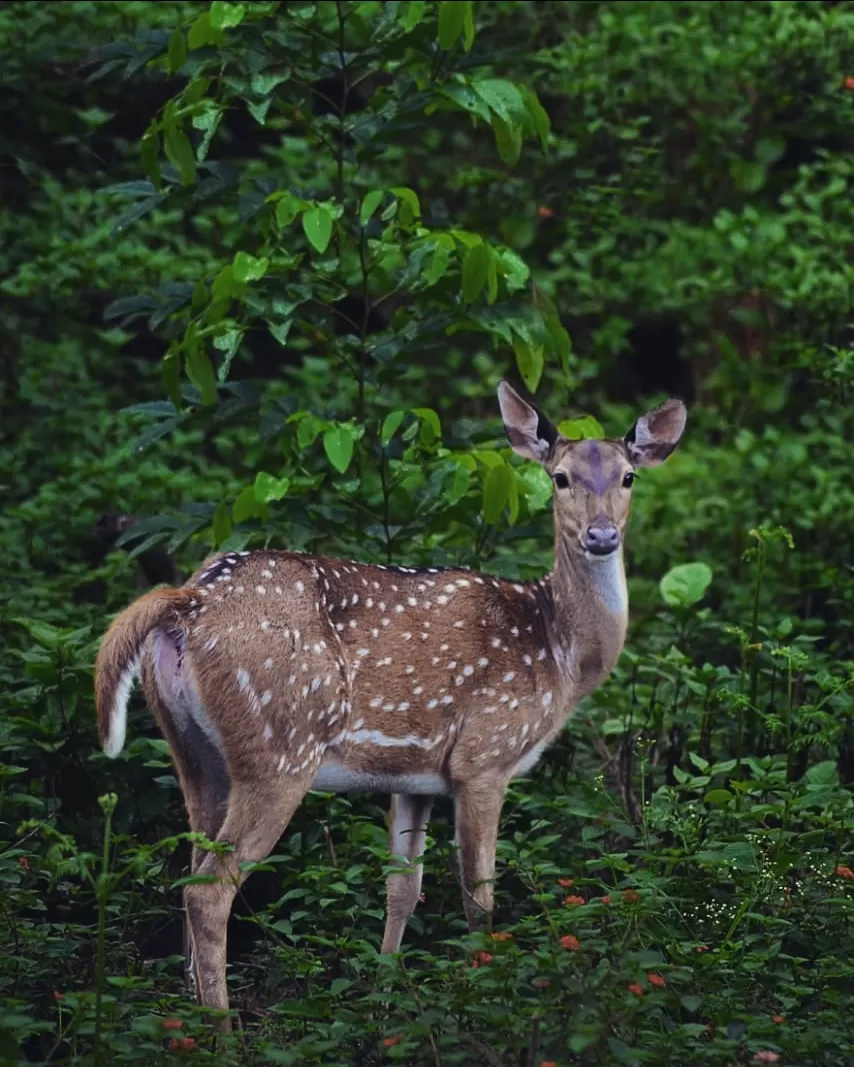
589 612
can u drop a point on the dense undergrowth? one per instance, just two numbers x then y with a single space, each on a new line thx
283 323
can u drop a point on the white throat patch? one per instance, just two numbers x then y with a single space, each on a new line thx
609 582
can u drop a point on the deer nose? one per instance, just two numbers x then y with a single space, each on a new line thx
602 540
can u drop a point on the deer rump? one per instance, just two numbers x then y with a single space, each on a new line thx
149 641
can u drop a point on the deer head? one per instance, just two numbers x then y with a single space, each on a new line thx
592 479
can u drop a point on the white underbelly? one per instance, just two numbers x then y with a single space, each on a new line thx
336 777
531 758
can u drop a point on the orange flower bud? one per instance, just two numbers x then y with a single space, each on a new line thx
571 942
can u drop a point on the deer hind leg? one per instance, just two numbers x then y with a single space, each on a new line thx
197 756
260 806
478 810
409 817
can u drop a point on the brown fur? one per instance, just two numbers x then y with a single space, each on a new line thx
272 672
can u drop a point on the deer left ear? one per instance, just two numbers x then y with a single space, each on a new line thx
655 435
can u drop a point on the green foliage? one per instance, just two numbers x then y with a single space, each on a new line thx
263 269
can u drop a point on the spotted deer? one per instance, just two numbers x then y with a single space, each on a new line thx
271 673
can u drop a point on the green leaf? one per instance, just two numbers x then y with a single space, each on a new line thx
622 1053
749 177
338 443
227 341
200 372
264 82
496 492
221 524
223 15
246 506
317 224
491 277
268 488
685 584
718 797
508 140
287 209
822 775
560 340
452 19
179 152
582 428
431 427
539 116
172 376
207 120
223 284
475 271
307 431
200 32
410 206
439 264
177 54
43 633
502 98
413 14
468 25
529 361
770 149
513 269
258 109
391 424
370 203
247 268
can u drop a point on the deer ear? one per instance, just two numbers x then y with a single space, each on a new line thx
530 433
655 435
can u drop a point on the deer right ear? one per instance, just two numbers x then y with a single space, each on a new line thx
530 434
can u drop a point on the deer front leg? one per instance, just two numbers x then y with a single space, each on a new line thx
478 809
409 818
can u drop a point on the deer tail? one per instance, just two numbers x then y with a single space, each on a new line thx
118 661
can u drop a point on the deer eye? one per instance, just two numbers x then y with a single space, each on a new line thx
561 480
628 479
